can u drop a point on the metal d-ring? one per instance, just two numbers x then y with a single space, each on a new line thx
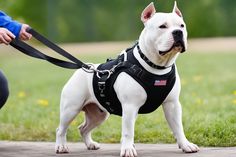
92 69
102 72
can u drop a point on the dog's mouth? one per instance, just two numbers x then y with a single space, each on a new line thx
177 46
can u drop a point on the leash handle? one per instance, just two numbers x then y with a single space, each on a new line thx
55 47
30 51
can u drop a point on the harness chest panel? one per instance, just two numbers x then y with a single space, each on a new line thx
157 87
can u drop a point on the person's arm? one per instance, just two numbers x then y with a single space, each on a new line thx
12 29
7 22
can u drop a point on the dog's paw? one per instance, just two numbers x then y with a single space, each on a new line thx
189 147
61 149
93 146
128 152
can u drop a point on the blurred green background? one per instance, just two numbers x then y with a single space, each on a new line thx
106 20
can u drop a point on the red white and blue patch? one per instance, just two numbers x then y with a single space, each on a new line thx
160 82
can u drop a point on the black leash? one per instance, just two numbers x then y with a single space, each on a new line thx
30 51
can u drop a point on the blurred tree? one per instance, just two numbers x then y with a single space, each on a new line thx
227 14
51 15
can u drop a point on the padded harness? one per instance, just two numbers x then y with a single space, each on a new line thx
157 87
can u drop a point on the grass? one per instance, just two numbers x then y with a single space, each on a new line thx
208 99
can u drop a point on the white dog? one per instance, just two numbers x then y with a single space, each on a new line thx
150 63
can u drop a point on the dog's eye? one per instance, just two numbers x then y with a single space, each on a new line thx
182 25
162 26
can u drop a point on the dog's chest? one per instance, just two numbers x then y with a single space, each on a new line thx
157 87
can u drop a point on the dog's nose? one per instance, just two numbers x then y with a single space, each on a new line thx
177 34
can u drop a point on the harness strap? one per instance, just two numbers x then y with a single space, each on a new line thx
103 87
104 76
30 51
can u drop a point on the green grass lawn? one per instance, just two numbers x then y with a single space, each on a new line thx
208 99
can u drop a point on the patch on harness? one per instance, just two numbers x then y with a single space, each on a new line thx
160 82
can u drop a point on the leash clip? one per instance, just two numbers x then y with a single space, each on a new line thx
91 68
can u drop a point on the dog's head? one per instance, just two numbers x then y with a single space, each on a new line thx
165 32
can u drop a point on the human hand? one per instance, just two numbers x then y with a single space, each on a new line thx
24 35
6 36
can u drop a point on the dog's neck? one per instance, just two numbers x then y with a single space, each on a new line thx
153 55
148 67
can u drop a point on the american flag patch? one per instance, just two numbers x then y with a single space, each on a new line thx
160 82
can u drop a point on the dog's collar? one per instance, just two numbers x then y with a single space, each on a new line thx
150 62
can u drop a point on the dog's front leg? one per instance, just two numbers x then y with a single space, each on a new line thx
173 114
127 140
131 96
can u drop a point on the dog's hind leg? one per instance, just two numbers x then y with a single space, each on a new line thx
93 118
66 117
73 97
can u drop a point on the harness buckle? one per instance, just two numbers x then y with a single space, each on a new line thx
101 87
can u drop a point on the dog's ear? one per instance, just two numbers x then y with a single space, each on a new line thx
176 10
148 12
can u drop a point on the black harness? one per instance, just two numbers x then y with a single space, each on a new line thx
157 87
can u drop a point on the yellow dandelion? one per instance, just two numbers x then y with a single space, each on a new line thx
234 101
199 101
42 102
197 78
234 92
74 123
21 94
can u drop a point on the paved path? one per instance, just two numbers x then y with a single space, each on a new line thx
46 149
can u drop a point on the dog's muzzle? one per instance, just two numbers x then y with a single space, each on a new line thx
178 42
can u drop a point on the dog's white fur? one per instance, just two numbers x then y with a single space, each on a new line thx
78 95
